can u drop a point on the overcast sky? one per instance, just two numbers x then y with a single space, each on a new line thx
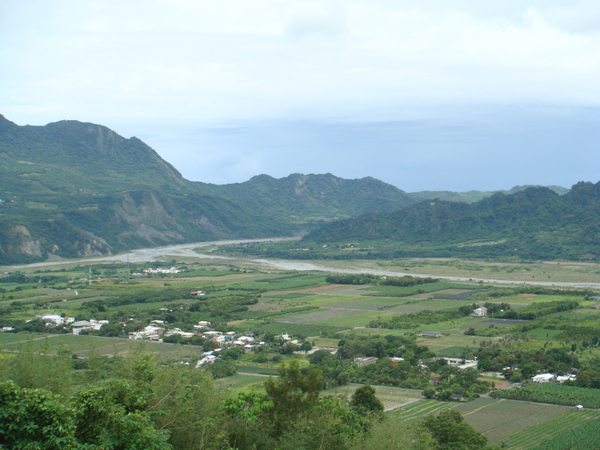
428 95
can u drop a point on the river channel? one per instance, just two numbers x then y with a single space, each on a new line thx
194 251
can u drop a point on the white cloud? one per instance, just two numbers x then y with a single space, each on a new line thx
241 59
196 62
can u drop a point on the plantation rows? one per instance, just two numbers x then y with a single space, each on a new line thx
553 393
583 436
420 409
542 433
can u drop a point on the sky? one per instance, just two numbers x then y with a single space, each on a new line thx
431 95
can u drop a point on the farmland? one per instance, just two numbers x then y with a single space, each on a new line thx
553 393
244 298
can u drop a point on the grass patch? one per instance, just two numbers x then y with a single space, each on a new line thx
389 396
240 382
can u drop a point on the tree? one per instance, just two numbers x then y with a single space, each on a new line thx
429 392
111 415
185 403
292 393
364 401
451 431
306 347
33 418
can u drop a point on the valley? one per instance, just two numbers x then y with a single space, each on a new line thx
185 314
293 313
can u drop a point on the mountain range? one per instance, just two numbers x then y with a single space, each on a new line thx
70 189
535 223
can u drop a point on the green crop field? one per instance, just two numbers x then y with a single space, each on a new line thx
293 329
558 394
256 369
351 319
85 345
454 352
395 291
318 316
571 430
498 419
418 410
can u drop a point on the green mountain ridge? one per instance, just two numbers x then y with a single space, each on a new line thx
315 196
78 189
72 189
535 223
474 196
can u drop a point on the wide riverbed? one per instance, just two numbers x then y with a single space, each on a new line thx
194 251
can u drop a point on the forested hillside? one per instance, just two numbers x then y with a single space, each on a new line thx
316 196
79 189
535 223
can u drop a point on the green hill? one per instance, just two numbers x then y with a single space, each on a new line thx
535 223
79 189
473 196
314 198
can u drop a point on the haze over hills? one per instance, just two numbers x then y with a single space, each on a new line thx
79 189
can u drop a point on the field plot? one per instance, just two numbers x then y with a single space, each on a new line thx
454 352
390 397
454 340
294 329
457 294
573 429
554 393
396 291
335 289
240 382
499 419
360 306
418 410
321 316
353 320
9 341
85 345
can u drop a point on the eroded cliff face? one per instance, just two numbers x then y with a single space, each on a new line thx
18 243
23 242
133 220
143 217
156 220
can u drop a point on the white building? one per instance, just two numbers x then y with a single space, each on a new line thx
543 378
480 312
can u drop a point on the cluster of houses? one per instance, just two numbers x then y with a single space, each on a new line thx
363 361
54 320
156 330
550 378
159 270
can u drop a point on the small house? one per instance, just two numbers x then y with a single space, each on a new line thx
480 312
